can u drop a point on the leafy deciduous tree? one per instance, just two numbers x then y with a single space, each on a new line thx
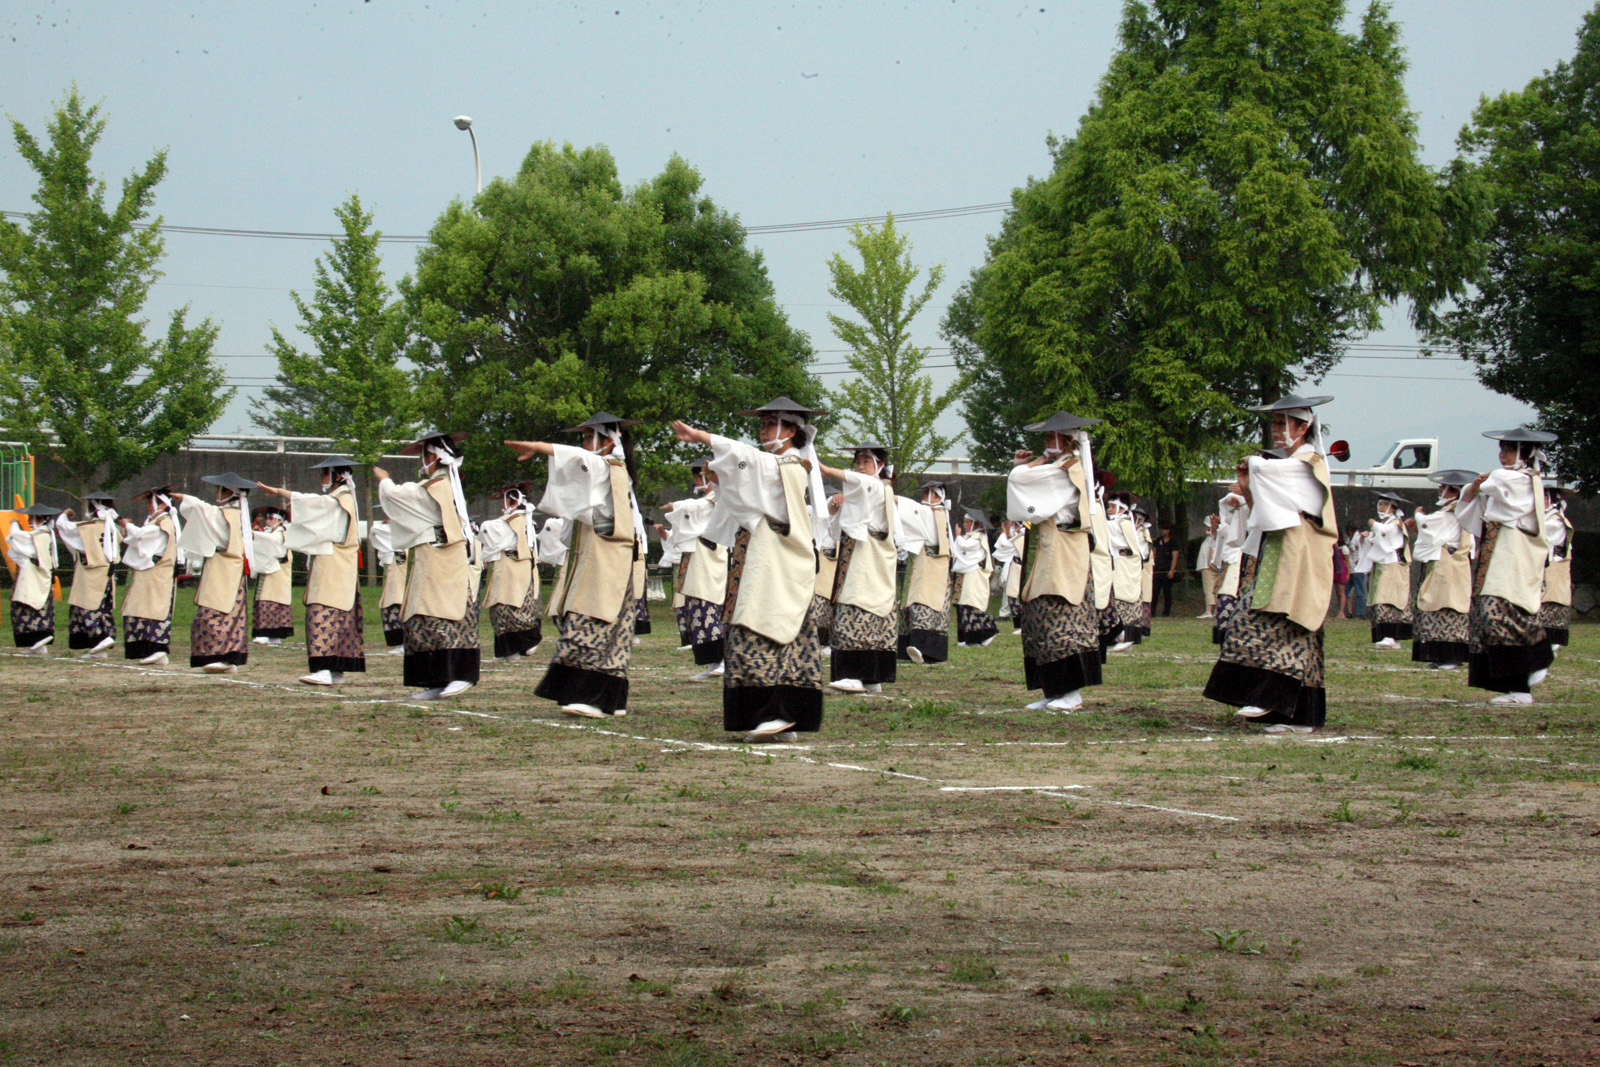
79 369
890 398
1532 324
1242 199
558 292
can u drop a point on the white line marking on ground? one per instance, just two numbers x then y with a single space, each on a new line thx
1006 788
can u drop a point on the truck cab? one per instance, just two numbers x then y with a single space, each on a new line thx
1406 466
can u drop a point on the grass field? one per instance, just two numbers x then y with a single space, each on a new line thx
249 871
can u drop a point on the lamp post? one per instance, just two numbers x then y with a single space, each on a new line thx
464 122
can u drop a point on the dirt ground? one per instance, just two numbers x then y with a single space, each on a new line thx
250 871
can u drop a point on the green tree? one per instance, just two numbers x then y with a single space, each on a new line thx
82 383
1532 323
1242 199
350 386
890 398
558 292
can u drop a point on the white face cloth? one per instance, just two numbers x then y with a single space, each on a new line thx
640 530
821 535
108 533
349 479
452 465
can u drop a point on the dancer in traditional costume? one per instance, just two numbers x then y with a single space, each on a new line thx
1122 622
1009 549
865 635
925 619
1233 518
1144 523
973 566
326 527
593 599
702 572
150 552
1555 610
1444 596
1390 591
380 536
1209 563
508 552
1060 625
1504 510
772 683
272 610
95 544
1271 665
33 552
428 521
221 535
822 594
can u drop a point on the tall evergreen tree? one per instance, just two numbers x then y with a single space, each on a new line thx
558 292
1532 324
890 398
350 386
81 382
1243 199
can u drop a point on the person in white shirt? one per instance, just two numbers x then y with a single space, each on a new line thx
864 653
272 607
428 520
33 552
702 572
1009 549
221 535
1504 511
771 507
1210 562
380 537
95 546
1555 611
1358 543
326 527
508 544
925 617
1390 591
1122 621
1233 519
1060 623
151 555
972 563
1271 664
1444 595
594 597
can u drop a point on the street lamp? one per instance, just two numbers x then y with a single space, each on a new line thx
464 122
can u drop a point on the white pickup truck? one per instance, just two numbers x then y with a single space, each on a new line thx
1407 466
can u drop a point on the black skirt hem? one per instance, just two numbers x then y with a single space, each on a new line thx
1400 631
272 631
1506 668
934 646
824 636
744 707
709 653
1439 652
1562 636
357 664
869 666
978 635
141 649
1060 677
517 642
28 640
1287 700
440 667
236 659
394 638
80 641
566 684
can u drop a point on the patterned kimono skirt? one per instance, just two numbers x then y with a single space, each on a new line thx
1504 643
703 622
1267 661
591 661
764 680
1438 636
1557 622
864 645
218 637
1061 643
441 651
822 610
926 628
1014 610
333 637
272 619
87 627
29 626
641 613
146 637
973 626
518 628
394 627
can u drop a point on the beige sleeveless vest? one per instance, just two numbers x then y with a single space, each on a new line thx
1516 566
223 572
150 591
1061 557
91 571
1448 585
706 575
928 582
334 576
599 568
34 579
1303 584
441 579
780 570
512 575
869 578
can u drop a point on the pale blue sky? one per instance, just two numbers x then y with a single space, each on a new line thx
274 113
